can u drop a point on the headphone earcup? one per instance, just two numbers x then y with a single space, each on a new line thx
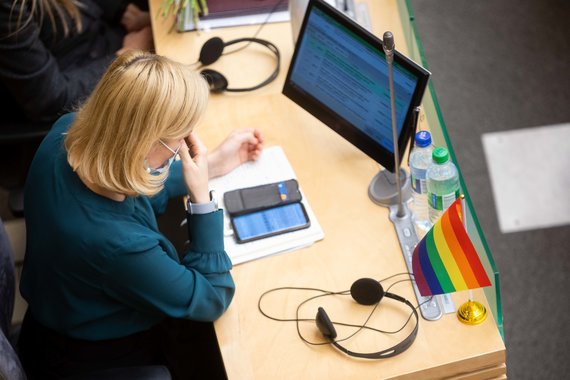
211 50
325 325
216 80
367 291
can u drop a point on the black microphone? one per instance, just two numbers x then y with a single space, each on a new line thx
388 45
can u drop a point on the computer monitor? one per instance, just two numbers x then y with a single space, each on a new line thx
339 74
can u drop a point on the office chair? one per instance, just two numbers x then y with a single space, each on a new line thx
10 366
19 140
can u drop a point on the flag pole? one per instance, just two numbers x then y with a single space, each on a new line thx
471 312
465 226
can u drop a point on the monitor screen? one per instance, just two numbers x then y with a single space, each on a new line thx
339 74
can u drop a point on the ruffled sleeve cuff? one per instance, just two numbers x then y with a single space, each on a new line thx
206 249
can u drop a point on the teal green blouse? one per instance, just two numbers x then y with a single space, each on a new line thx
99 269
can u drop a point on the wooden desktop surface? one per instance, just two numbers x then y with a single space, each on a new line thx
360 241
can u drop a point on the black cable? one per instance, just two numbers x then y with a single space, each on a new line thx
258 29
416 119
360 327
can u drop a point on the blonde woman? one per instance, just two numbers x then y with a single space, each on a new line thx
104 286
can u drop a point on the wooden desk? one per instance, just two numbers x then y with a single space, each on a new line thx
360 241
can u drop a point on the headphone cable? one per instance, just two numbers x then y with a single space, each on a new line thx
258 29
330 293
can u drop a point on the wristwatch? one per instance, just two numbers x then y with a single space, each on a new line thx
203 208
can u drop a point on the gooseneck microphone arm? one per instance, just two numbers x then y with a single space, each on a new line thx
388 46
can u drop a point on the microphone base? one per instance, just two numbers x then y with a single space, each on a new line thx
384 192
383 189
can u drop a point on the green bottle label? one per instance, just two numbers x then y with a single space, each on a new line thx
442 202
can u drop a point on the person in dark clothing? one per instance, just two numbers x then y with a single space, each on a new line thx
52 57
52 54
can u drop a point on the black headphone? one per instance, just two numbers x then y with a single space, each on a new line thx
213 49
367 291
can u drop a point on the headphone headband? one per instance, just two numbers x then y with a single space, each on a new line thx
365 291
213 49
326 327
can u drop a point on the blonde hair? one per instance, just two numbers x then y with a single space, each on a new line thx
64 11
140 99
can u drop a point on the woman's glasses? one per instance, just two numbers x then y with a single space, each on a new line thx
166 165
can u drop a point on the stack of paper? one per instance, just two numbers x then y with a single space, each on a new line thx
272 166
228 13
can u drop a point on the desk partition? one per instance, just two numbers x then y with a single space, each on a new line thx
434 119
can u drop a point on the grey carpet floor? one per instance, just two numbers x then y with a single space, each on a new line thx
501 65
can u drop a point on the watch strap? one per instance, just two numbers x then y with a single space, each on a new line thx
203 208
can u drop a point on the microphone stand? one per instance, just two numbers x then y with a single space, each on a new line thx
388 46
381 191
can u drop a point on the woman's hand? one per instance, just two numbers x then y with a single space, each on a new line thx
193 155
240 146
138 40
134 19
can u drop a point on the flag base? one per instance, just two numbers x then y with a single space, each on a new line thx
472 313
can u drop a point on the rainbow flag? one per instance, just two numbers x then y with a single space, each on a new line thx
445 261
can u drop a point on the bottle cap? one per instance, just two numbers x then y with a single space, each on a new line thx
423 139
440 155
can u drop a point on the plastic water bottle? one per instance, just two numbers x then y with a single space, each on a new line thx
442 183
420 160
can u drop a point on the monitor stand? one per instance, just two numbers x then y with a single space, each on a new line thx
384 192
